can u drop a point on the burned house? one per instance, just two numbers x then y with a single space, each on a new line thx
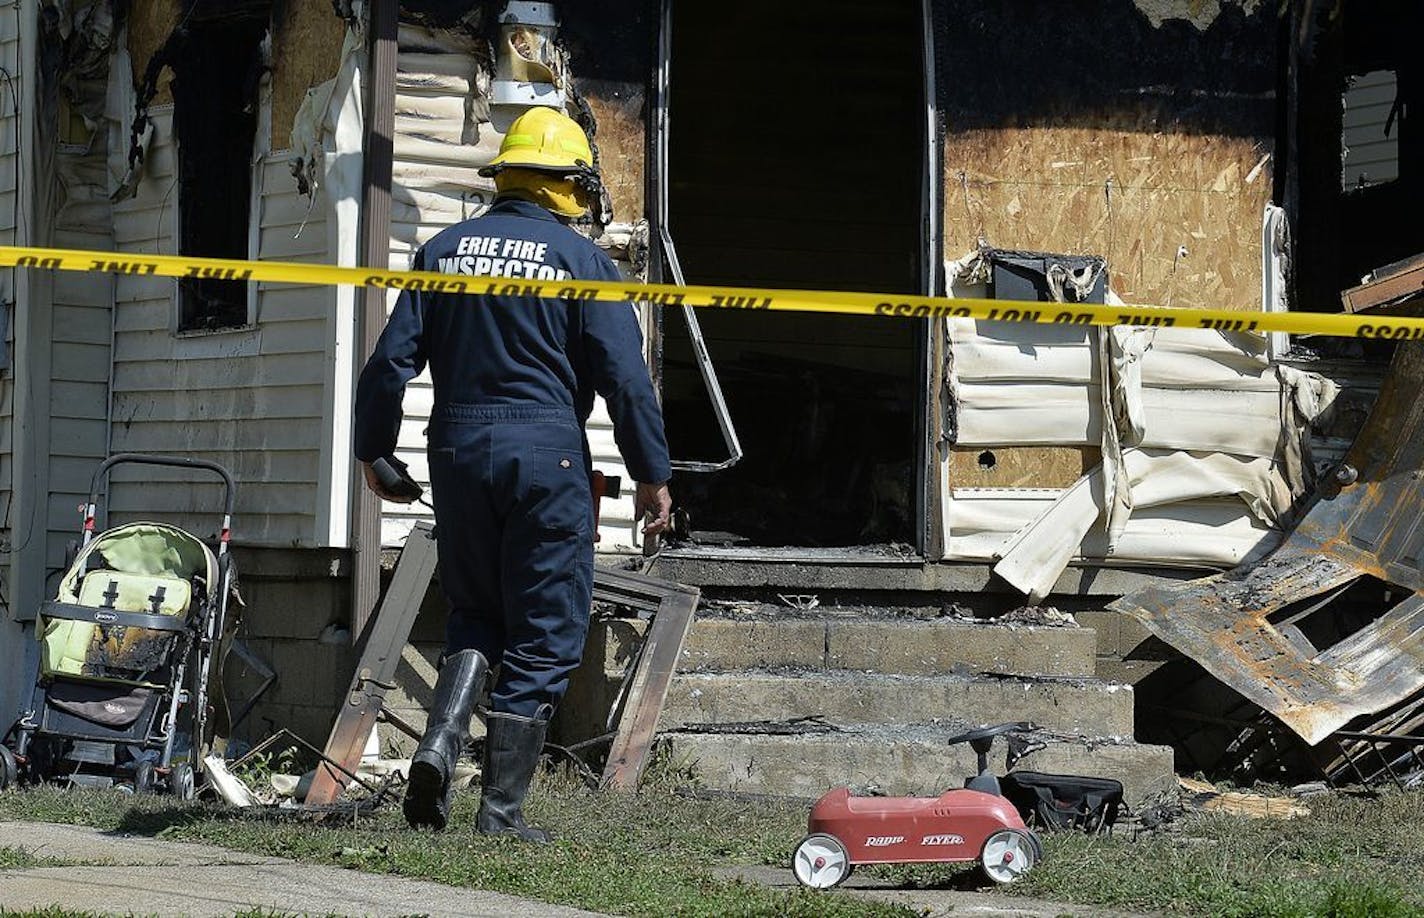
1232 154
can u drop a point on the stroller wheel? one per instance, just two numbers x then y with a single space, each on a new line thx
143 778
180 782
9 768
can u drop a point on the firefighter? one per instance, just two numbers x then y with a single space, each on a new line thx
514 379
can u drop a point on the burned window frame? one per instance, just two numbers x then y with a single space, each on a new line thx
1340 233
207 302
1390 133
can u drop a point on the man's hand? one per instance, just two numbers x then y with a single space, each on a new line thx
654 503
374 483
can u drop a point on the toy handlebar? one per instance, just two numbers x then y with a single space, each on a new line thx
983 733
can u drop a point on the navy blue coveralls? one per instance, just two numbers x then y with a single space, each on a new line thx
514 383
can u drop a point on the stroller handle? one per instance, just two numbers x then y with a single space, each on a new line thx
102 473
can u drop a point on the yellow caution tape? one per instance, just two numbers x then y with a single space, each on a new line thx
751 298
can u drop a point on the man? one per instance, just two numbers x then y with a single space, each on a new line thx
514 383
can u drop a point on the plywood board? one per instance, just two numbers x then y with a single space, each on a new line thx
149 24
621 138
306 52
1177 215
1020 466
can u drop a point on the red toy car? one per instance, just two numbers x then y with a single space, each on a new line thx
959 826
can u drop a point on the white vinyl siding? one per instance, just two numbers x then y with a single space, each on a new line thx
250 399
81 329
436 184
1371 156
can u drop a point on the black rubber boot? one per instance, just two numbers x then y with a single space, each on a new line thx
511 754
427 796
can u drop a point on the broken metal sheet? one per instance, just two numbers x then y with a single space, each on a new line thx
1372 524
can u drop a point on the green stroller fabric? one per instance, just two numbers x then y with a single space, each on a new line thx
146 567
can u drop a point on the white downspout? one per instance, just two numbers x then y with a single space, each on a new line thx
342 171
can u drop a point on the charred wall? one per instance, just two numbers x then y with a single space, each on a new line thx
1124 132
306 51
611 47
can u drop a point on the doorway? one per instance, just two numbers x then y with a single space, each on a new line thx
797 158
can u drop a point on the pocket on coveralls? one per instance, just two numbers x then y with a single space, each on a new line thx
560 492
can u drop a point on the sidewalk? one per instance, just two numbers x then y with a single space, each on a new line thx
137 875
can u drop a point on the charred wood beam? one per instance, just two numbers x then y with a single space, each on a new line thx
375 674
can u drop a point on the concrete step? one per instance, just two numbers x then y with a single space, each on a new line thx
889 645
1079 706
900 760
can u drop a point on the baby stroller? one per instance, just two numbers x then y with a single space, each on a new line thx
127 647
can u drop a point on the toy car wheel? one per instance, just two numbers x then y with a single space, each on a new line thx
820 861
1008 854
181 783
9 768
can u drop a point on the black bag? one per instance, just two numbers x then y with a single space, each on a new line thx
1064 802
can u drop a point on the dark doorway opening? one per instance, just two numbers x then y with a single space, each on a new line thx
1355 79
797 158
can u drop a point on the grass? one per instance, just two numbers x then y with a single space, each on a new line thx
16 858
659 854
654 854
1350 857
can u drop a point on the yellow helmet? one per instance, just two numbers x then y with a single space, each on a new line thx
545 157
546 140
